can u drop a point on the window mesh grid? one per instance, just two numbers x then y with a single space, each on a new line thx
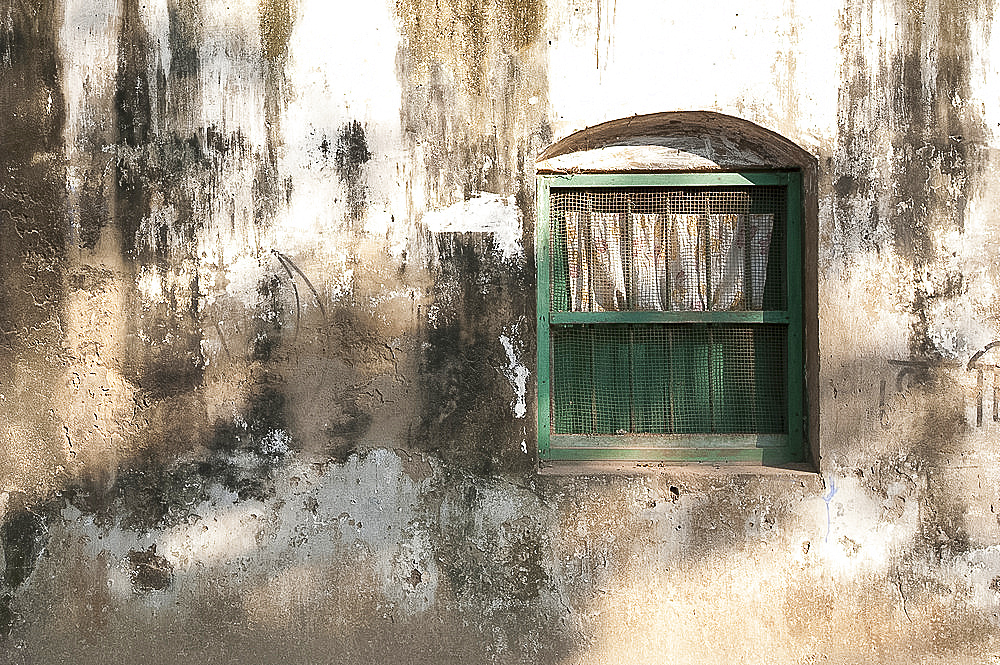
668 379
668 249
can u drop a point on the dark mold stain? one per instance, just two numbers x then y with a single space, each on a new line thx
157 491
345 430
33 214
267 320
93 213
937 139
166 358
163 339
7 615
155 495
132 98
245 452
180 169
148 570
467 72
253 430
181 108
266 193
464 416
350 156
937 142
23 534
184 37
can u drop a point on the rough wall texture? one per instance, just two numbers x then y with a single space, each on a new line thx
266 338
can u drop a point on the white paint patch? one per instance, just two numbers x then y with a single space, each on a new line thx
860 540
517 374
225 532
961 326
88 60
242 276
341 69
771 63
486 213
232 81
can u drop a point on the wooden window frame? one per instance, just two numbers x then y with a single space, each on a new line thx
715 449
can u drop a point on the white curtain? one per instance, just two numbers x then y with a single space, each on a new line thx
668 265
727 244
760 228
579 266
648 263
608 272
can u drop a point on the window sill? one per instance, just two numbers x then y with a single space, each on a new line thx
797 472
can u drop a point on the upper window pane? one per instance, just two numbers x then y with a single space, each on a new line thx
668 249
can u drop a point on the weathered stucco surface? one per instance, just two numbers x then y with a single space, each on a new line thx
267 339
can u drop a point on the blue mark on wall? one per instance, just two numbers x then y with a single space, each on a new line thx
827 498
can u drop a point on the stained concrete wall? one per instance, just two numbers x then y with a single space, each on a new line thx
266 337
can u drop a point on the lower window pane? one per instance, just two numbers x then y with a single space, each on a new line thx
669 379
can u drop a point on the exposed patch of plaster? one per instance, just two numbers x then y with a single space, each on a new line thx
489 213
517 374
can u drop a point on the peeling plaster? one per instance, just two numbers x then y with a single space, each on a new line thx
517 374
486 213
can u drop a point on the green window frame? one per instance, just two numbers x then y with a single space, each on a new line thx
716 384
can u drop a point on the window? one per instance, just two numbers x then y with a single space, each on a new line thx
670 317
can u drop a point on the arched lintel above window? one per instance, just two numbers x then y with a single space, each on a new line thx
673 141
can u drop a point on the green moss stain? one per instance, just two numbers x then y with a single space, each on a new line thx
275 28
458 33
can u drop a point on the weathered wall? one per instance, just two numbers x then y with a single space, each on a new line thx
266 337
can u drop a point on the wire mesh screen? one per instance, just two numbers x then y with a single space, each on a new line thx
668 249
669 379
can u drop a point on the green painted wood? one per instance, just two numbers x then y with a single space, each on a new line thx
643 441
796 352
713 456
542 309
563 318
693 385
617 180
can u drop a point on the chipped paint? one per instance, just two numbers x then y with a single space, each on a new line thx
517 374
486 213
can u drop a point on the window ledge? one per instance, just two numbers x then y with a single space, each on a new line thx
798 472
